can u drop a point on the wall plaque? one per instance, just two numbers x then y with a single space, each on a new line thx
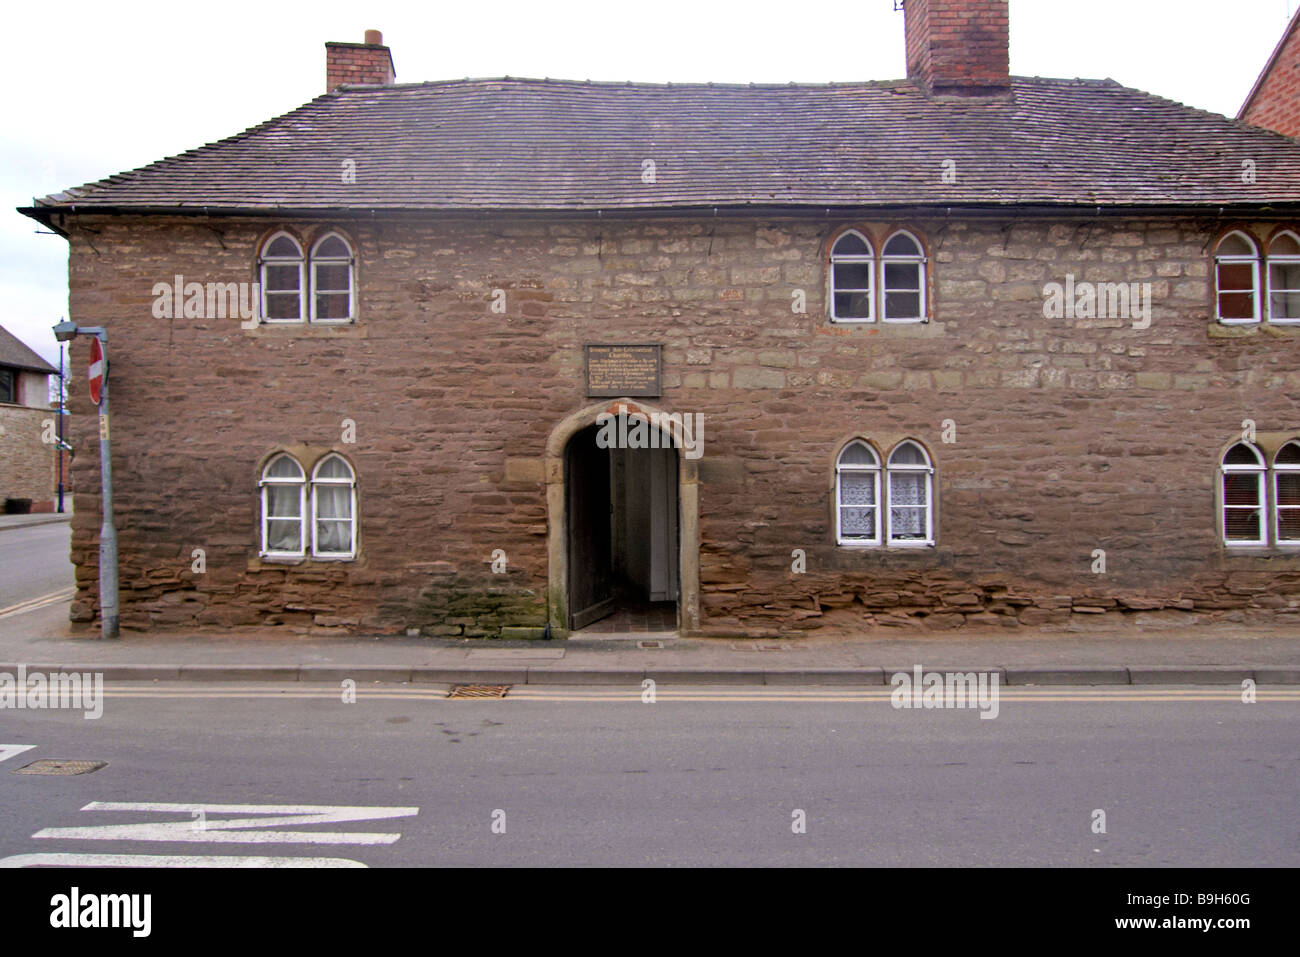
631 370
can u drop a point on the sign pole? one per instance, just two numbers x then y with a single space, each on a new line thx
59 448
109 617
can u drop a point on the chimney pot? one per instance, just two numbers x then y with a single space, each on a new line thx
374 38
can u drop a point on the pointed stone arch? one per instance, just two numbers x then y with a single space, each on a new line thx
557 590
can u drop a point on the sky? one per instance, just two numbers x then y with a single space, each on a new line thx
98 88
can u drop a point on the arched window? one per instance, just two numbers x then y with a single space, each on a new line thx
904 277
853 266
1284 278
1286 494
284 491
1243 496
281 269
333 509
1236 271
332 280
857 495
911 519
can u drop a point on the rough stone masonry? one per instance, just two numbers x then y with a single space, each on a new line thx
1069 435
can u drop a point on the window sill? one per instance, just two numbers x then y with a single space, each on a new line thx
902 330
304 330
1241 330
1250 557
891 547
855 559
260 562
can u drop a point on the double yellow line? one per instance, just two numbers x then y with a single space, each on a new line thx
53 598
666 694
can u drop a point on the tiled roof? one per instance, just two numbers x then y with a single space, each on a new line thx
510 144
15 354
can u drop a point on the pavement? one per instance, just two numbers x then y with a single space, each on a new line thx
36 518
36 634
41 640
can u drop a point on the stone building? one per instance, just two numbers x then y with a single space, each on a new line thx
958 350
27 462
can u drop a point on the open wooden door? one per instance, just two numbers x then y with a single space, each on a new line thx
591 575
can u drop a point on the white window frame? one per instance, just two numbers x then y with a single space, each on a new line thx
267 481
1279 469
263 261
351 483
920 260
840 468
928 471
854 259
1285 259
317 260
1254 260
1259 470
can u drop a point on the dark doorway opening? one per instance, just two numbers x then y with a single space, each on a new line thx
623 529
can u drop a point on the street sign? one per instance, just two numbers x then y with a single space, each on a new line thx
96 370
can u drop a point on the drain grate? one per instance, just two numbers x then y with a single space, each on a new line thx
479 691
60 767
649 644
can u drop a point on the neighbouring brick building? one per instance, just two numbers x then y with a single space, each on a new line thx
1274 100
27 462
969 349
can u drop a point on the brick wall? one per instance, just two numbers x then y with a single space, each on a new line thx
1071 434
347 63
1276 104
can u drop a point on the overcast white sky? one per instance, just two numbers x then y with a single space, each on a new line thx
99 87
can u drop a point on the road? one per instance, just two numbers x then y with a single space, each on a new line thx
1184 776
34 562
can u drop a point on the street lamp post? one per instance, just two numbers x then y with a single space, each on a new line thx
109 617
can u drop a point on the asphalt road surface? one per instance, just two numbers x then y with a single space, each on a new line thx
1183 776
34 562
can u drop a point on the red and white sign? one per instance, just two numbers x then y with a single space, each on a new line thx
96 370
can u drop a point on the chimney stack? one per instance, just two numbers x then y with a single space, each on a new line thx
369 62
958 47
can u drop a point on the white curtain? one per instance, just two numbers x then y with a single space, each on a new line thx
907 489
857 504
333 518
284 524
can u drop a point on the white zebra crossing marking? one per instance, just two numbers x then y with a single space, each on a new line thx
8 751
238 830
167 860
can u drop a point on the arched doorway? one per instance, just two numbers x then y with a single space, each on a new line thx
623 531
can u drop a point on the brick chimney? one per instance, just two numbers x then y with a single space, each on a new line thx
369 62
958 47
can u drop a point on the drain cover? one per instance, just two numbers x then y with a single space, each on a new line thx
61 767
649 644
478 691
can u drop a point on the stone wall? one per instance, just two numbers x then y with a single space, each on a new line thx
1071 435
26 463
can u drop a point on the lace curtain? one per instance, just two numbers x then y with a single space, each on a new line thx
907 490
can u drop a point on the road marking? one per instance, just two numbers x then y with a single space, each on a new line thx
8 751
158 860
34 603
245 830
714 695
